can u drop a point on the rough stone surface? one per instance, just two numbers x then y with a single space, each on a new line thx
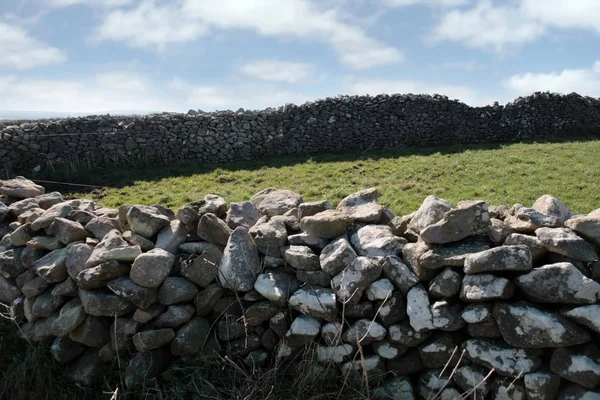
485 287
566 242
350 284
146 221
468 219
317 302
418 309
506 360
277 287
504 258
150 269
272 201
580 364
328 224
214 230
431 211
240 264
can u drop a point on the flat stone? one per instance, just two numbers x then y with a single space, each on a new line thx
67 231
174 316
387 350
580 365
526 220
536 247
140 296
10 264
145 315
350 284
214 230
98 276
113 240
242 214
446 284
146 221
486 287
204 268
468 219
433 383
503 258
576 392
21 207
312 208
21 235
472 378
439 351
431 211
336 256
20 188
376 241
60 210
303 331
475 313
411 254
528 326
260 312
586 227
150 269
52 267
138 240
331 333
401 276
391 310
315 302
336 354
314 278
30 289
104 304
207 298
396 388
484 329
362 206
447 316
507 361
563 283
566 242
70 317
277 287
304 239
451 254
240 265
64 350
152 339
418 309
77 256
45 304
68 288
272 201
301 257
328 224
171 237
380 289
364 332
176 290
541 385
121 333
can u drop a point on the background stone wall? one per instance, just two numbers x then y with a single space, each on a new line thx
330 125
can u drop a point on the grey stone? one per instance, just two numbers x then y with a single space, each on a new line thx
315 302
260 312
52 267
20 188
204 268
60 210
447 316
301 257
485 287
507 361
64 350
328 224
441 350
503 258
392 309
418 309
144 315
535 245
563 283
364 332
312 208
468 219
585 315
138 240
407 364
104 304
526 220
566 242
98 276
171 237
586 227
314 278
446 284
67 231
472 379
411 254
146 221
214 230
550 205
31 289
303 331
269 235
507 389
152 339
10 264
147 365
431 211
451 254
242 214
240 264
580 365
576 392
87 370
150 269
304 239
45 304
70 317
272 201
230 329
191 338
380 289
141 296
336 256
121 333
396 388
176 290
474 313
399 274
376 241
92 332
541 385
174 316
362 206
21 235
207 298
350 284
77 256
336 354
108 249
68 288
485 329
100 226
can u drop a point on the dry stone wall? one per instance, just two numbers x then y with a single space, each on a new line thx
334 124
470 299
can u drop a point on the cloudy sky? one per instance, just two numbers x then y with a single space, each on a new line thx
173 55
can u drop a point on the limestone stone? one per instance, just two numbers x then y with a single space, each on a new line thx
20 188
350 284
485 287
418 309
104 304
152 339
272 201
240 265
140 296
586 227
269 235
301 258
431 211
503 258
98 276
328 224
579 364
176 290
150 269
146 221
242 214
566 242
214 230
399 274
550 205
336 256
171 237
508 361
468 219
315 302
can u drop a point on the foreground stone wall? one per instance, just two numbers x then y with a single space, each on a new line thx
333 124
485 301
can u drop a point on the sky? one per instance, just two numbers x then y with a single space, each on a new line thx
89 56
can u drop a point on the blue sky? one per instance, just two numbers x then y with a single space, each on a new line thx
159 55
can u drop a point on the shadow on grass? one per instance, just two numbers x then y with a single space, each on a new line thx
126 175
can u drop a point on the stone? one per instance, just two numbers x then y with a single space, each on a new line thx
21 235
280 323
401 276
526 220
176 290
452 254
336 256
537 249
407 364
566 242
499 231
441 350
70 317
387 350
432 384
468 219
588 315
204 268
64 350
30 289
98 276
303 331
24 277
301 258
304 239
431 211
44 243
83 217
86 370
10 264
580 365
121 333
214 230
26 207
314 278
362 206
411 254
563 283
541 385
446 284
92 332
104 304
240 348
418 309
3 211
52 267
472 379
484 329
380 289
371 366
586 227
506 360
145 315
77 256
68 288
364 332
336 354
17 310
315 302
331 333
152 339
447 316
272 201
328 224
350 284
576 392
312 208
146 221
140 296
528 326
260 312
396 388
240 265
171 237
392 310
137 240
507 389
100 226
362 309
376 241
112 247
503 258
174 316
550 205
475 313
147 365
191 338
67 231
60 210
150 269
30 255
207 298
485 287
230 328
242 214
269 235
20 188
45 304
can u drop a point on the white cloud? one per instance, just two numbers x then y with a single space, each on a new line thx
95 3
496 25
585 81
434 3
381 86
18 50
278 71
152 25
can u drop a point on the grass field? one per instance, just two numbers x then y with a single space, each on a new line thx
499 174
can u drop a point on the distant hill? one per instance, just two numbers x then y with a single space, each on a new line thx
20 115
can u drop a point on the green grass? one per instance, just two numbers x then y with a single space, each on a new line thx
498 173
